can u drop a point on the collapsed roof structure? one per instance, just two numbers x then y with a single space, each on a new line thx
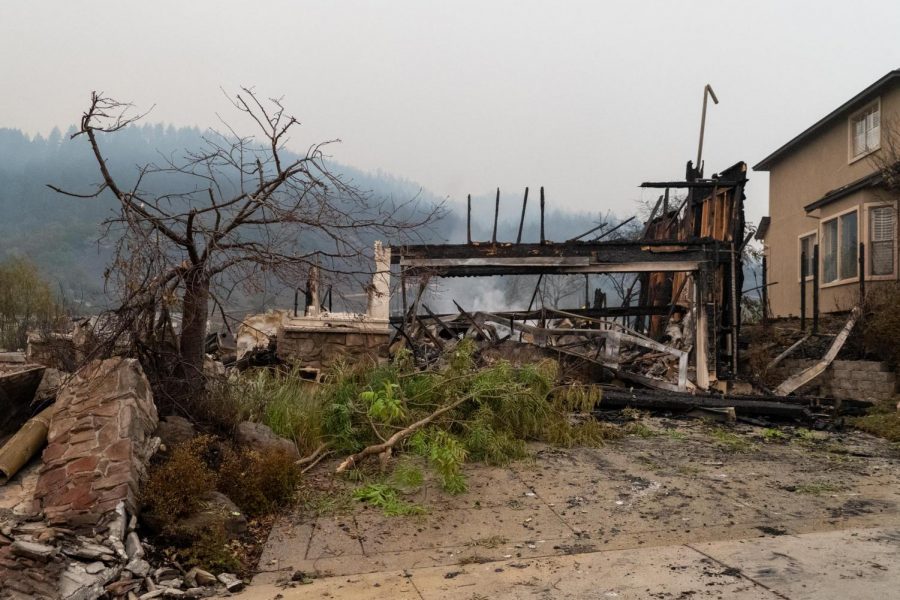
687 260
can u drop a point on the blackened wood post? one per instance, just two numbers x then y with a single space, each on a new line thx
496 216
587 292
862 273
403 290
522 220
542 215
815 323
469 221
296 299
765 292
803 275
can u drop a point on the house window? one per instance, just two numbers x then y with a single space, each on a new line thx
829 251
882 230
849 262
865 131
806 248
840 247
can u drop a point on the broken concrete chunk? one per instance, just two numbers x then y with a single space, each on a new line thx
133 546
139 567
90 552
231 583
174 583
198 577
77 583
94 567
33 550
163 573
259 437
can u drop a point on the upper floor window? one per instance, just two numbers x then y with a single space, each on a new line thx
865 130
882 231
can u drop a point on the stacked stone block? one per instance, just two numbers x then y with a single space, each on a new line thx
99 442
318 349
853 379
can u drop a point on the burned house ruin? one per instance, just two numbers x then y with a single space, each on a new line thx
688 263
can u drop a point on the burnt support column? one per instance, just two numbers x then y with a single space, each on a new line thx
701 329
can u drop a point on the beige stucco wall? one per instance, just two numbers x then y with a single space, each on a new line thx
803 176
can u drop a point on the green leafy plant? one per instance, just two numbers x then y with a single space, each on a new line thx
384 404
387 498
445 454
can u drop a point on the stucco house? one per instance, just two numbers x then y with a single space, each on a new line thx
826 188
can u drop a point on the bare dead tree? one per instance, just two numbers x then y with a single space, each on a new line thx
886 159
247 209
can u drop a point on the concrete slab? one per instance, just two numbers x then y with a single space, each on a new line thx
860 563
857 563
459 527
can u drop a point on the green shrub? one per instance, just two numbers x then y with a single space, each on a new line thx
175 487
212 552
881 323
882 420
258 483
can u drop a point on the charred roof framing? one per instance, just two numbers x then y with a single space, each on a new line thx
688 256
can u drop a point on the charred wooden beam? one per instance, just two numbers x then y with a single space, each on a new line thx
703 183
522 220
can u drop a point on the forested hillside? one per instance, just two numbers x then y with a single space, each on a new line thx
63 235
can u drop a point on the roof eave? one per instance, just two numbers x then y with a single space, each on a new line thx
766 163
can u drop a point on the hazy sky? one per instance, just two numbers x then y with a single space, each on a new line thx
585 98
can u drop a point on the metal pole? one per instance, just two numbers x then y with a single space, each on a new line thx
765 293
707 91
803 275
815 323
862 273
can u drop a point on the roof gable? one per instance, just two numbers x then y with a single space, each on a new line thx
860 98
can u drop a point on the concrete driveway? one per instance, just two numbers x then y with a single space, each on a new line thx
682 511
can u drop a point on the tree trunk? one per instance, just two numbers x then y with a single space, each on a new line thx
193 325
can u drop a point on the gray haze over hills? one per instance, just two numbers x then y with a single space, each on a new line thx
585 98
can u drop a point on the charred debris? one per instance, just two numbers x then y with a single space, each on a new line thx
677 348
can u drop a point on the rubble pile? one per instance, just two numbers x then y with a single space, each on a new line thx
76 537
39 560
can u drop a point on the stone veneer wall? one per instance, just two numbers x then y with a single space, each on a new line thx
854 379
320 349
99 443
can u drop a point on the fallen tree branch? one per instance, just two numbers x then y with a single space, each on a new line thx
312 458
315 462
401 435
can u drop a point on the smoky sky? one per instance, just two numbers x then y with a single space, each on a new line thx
585 98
